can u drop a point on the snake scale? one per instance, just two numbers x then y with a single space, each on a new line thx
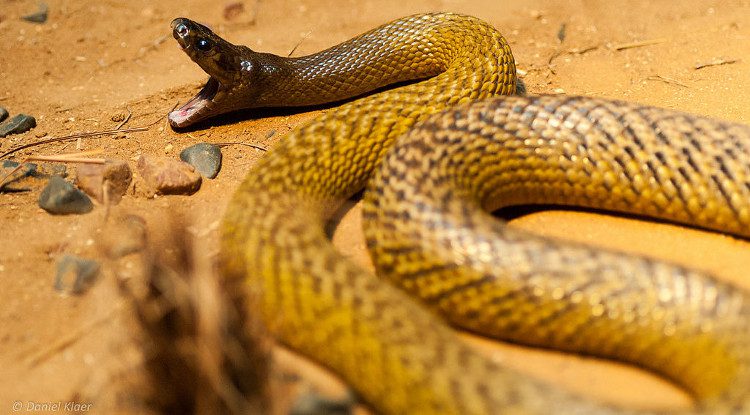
461 153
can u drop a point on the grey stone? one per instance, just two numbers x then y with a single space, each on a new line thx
29 176
21 179
10 164
39 16
312 403
17 125
205 157
60 198
53 169
75 275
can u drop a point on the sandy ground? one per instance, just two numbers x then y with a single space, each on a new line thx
92 61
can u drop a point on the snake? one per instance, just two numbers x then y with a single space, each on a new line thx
453 141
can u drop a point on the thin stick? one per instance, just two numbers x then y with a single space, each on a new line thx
666 80
82 153
12 172
72 137
255 146
63 158
581 51
105 199
84 160
716 62
304 38
84 135
631 45
127 118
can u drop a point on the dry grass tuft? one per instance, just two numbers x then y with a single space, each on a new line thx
203 351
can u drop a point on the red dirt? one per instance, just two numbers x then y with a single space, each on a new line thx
92 60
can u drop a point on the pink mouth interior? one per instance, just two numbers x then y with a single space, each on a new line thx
190 112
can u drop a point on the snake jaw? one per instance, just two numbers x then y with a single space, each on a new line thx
216 57
198 107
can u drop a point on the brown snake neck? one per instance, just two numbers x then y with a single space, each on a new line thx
241 78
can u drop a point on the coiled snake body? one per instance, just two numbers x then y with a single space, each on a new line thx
428 232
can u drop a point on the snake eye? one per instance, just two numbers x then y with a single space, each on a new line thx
203 45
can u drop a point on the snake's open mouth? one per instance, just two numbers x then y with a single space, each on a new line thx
194 110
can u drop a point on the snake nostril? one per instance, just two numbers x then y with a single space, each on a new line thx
181 29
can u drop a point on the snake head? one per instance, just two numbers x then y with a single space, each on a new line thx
221 60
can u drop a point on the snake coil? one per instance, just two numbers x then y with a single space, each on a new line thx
462 153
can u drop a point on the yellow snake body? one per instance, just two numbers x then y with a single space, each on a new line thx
428 233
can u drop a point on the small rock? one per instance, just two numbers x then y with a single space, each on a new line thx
206 158
3 113
30 168
312 403
23 177
167 176
53 169
60 198
233 10
17 125
75 275
91 178
39 16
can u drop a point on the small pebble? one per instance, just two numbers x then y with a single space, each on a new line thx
75 275
39 16
3 113
116 173
233 10
23 177
164 175
312 403
206 158
11 164
17 125
60 198
53 169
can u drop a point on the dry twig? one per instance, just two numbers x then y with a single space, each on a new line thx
304 38
197 326
81 157
71 137
84 135
631 45
716 62
238 143
573 51
127 118
666 80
